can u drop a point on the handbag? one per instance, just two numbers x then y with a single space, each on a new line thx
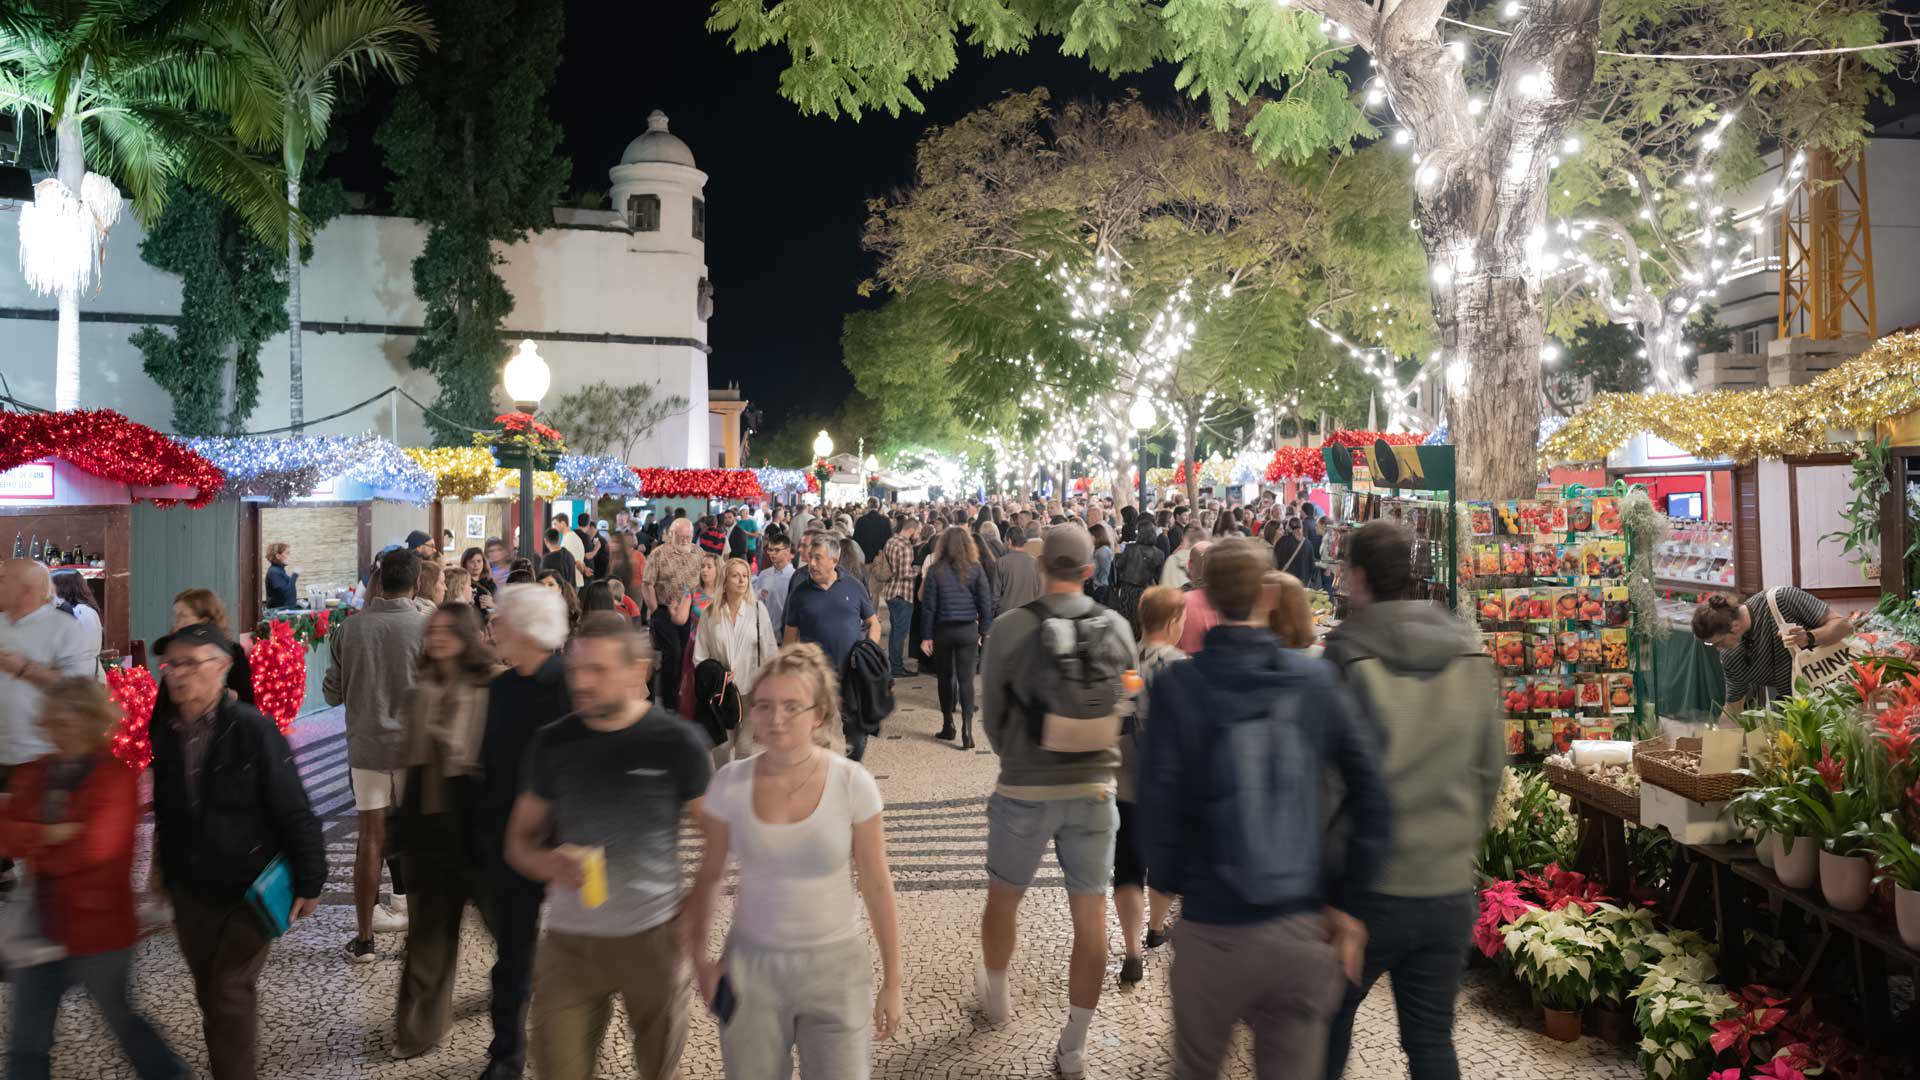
23 941
1820 665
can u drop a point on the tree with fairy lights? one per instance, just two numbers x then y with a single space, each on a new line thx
1484 121
1079 258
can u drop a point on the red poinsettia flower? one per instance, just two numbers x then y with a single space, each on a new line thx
1761 1016
1500 904
1555 888
1725 1074
322 621
1783 1067
1832 770
1867 677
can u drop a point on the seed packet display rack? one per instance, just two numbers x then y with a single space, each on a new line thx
1549 587
1429 515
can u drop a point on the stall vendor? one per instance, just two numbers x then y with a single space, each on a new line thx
1755 651
282 584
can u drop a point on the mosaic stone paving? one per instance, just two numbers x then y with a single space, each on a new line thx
322 1017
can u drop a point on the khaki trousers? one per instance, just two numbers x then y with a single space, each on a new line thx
574 980
1282 977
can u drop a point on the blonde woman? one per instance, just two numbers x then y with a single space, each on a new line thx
709 586
793 816
1291 619
738 633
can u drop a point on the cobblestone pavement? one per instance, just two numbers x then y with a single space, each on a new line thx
322 1017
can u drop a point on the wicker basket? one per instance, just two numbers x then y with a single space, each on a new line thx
1660 768
1593 792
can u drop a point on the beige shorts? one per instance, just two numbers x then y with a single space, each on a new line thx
378 789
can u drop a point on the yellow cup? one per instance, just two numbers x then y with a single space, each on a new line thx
593 890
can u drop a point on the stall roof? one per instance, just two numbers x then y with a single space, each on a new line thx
155 468
1878 386
281 470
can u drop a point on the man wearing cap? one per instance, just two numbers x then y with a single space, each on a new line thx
227 802
422 545
1044 797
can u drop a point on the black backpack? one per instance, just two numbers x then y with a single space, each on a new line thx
1075 668
866 686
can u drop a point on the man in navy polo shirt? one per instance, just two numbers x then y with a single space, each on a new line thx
832 610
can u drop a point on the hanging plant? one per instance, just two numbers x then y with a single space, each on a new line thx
1646 527
1869 484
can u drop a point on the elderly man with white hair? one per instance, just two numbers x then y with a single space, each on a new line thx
39 645
673 569
529 632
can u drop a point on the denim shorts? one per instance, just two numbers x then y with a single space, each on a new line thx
1081 831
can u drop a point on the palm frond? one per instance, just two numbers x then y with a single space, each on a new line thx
357 36
131 152
213 162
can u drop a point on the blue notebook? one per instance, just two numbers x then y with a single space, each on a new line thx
271 895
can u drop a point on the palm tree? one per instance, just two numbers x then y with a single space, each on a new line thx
296 53
118 82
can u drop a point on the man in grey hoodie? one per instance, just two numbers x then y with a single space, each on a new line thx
1421 676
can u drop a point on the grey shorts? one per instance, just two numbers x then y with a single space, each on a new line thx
1081 831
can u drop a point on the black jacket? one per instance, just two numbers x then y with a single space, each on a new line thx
517 706
872 532
281 587
866 686
945 599
251 807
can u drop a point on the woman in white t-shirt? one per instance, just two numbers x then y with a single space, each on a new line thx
796 818
738 633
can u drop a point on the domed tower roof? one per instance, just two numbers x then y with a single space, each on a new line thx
657 144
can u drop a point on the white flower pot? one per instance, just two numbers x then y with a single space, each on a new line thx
1796 866
1845 880
1763 848
1906 915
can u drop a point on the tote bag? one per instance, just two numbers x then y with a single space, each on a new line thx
1822 664
23 942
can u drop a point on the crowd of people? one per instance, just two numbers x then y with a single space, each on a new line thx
527 735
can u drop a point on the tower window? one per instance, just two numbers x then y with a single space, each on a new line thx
699 219
643 213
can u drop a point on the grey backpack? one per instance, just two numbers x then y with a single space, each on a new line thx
1075 682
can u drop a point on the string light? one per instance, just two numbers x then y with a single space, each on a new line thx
112 447
587 477
279 664
728 484
280 470
134 691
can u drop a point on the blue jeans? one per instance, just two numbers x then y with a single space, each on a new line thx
899 629
1422 942
37 992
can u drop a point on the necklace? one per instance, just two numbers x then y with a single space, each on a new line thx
806 773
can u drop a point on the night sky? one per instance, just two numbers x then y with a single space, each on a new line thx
786 193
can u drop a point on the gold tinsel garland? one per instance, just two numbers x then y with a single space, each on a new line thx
1880 384
469 472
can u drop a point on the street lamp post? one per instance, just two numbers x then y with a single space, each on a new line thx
526 379
870 465
1144 416
822 449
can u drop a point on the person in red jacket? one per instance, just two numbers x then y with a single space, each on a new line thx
71 818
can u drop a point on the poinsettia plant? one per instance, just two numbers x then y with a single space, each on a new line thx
518 435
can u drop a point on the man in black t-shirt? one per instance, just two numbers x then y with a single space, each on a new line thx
611 784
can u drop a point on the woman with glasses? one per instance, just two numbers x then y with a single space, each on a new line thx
794 968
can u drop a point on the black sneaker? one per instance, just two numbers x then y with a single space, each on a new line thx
1156 938
948 732
1133 969
360 951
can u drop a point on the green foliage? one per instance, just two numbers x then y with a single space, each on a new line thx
1871 481
134 75
605 419
474 155
1532 826
900 361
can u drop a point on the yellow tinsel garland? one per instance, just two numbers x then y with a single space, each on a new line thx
469 472
1880 384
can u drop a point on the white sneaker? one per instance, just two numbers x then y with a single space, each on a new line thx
397 904
388 921
1072 1063
997 1007
154 912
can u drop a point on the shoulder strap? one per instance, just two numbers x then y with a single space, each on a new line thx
1773 605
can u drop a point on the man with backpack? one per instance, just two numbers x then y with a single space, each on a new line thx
1231 815
1054 680
1423 681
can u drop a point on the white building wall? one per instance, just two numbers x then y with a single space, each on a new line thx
603 304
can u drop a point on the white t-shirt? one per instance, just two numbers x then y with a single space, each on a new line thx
55 639
796 881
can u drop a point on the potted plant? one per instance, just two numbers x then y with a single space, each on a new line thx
1553 955
1675 1008
1831 809
520 439
1899 862
1625 934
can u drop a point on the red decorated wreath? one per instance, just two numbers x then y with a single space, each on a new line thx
110 446
730 484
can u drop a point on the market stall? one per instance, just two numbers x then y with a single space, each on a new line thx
69 485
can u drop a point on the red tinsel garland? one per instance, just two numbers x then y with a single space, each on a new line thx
110 446
279 674
1180 474
134 690
1305 463
700 483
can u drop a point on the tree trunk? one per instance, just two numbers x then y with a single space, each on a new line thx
1190 453
296 371
72 171
1481 203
